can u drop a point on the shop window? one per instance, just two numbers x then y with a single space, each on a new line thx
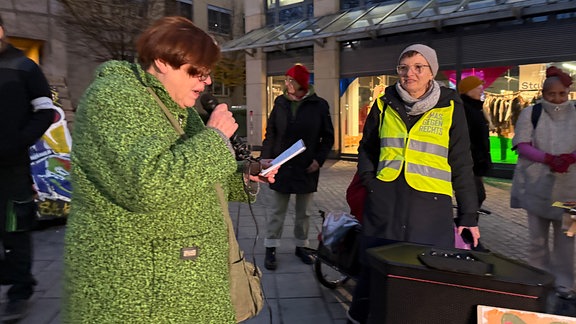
507 91
357 95
219 20
185 8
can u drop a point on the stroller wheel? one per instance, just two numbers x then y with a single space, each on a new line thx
329 276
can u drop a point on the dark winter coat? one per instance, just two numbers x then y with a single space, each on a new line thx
479 135
396 211
312 124
21 81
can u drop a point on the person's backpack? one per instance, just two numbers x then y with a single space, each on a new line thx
536 112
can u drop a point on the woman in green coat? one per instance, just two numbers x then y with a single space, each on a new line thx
146 240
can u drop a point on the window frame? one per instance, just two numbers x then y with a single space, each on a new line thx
219 26
181 4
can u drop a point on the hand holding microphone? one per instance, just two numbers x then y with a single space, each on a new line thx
255 169
211 106
219 116
222 119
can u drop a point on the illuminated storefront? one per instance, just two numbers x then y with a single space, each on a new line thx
507 43
507 90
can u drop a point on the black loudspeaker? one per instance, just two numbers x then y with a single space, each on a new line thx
415 284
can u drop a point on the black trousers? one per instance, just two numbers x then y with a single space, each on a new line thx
360 306
16 247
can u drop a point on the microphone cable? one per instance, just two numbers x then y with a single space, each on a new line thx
249 195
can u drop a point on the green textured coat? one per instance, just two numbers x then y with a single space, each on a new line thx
140 195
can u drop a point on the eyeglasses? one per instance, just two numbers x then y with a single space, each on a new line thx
290 80
202 77
403 68
201 74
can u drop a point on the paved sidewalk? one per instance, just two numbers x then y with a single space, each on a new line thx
293 294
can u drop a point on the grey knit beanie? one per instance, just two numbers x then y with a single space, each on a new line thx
428 53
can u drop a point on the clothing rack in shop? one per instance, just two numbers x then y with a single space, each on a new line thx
502 95
504 109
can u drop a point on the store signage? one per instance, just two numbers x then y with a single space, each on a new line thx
531 76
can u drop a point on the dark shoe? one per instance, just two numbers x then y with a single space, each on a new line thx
566 294
270 261
15 310
304 255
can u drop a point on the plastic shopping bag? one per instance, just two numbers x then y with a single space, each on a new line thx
335 226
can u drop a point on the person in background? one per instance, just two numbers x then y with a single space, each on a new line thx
546 173
27 112
414 154
299 113
146 240
470 89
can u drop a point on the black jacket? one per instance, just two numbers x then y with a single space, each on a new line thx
312 124
396 211
479 135
21 81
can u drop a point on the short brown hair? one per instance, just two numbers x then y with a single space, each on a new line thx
177 41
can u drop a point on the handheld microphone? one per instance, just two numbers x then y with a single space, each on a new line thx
209 103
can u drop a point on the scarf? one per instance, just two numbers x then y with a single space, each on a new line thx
556 107
418 106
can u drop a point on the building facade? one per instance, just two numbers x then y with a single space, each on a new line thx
36 27
352 47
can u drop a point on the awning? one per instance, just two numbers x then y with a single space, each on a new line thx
391 18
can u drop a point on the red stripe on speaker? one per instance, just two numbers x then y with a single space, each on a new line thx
461 286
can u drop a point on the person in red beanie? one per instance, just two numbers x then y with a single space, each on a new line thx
299 113
546 173
297 79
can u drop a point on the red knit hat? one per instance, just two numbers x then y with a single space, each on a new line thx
564 77
299 73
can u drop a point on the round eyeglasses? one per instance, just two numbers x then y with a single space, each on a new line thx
202 77
418 68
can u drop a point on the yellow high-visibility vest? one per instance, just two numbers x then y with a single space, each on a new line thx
422 152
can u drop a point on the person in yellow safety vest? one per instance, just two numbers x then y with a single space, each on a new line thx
414 154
